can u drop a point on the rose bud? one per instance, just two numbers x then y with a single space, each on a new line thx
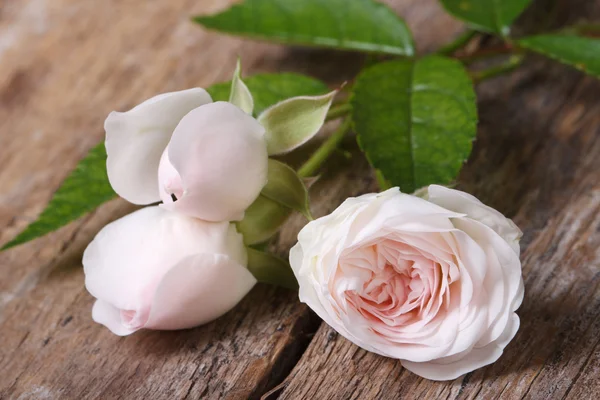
434 282
136 139
215 165
212 156
156 269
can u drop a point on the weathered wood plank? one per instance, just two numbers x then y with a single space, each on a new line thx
64 64
538 160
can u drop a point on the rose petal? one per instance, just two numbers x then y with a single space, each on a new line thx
129 257
110 316
503 275
198 290
462 202
221 157
471 360
136 139
400 211
169 181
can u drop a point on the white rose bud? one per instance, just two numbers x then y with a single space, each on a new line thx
156 269
434 283
203 159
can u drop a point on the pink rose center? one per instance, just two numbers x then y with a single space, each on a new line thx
394 284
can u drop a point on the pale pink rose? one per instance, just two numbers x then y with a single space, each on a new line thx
156 269
215 165
433 282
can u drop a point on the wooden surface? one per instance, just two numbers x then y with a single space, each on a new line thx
64 64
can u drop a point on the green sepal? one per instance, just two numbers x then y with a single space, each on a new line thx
286 188
292 122
269 89
240 95
262 220
270 269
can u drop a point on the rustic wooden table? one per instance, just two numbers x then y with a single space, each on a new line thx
64 64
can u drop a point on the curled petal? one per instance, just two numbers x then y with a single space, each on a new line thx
453 367
220 158
199 289
108 315
136 139
503 281
169 182
462 202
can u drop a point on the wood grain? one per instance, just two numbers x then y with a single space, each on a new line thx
64 64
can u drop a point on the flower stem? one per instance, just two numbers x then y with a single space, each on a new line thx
324 151
339 110
458 43
486 53
582 29
513 62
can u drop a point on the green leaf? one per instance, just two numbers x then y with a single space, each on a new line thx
85 189
268 268
268 89
415 120
262 220
292 122
239 95
362 25
287 188
580 52
487 15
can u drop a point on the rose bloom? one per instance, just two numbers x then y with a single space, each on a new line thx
431 281
206 160
158 269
